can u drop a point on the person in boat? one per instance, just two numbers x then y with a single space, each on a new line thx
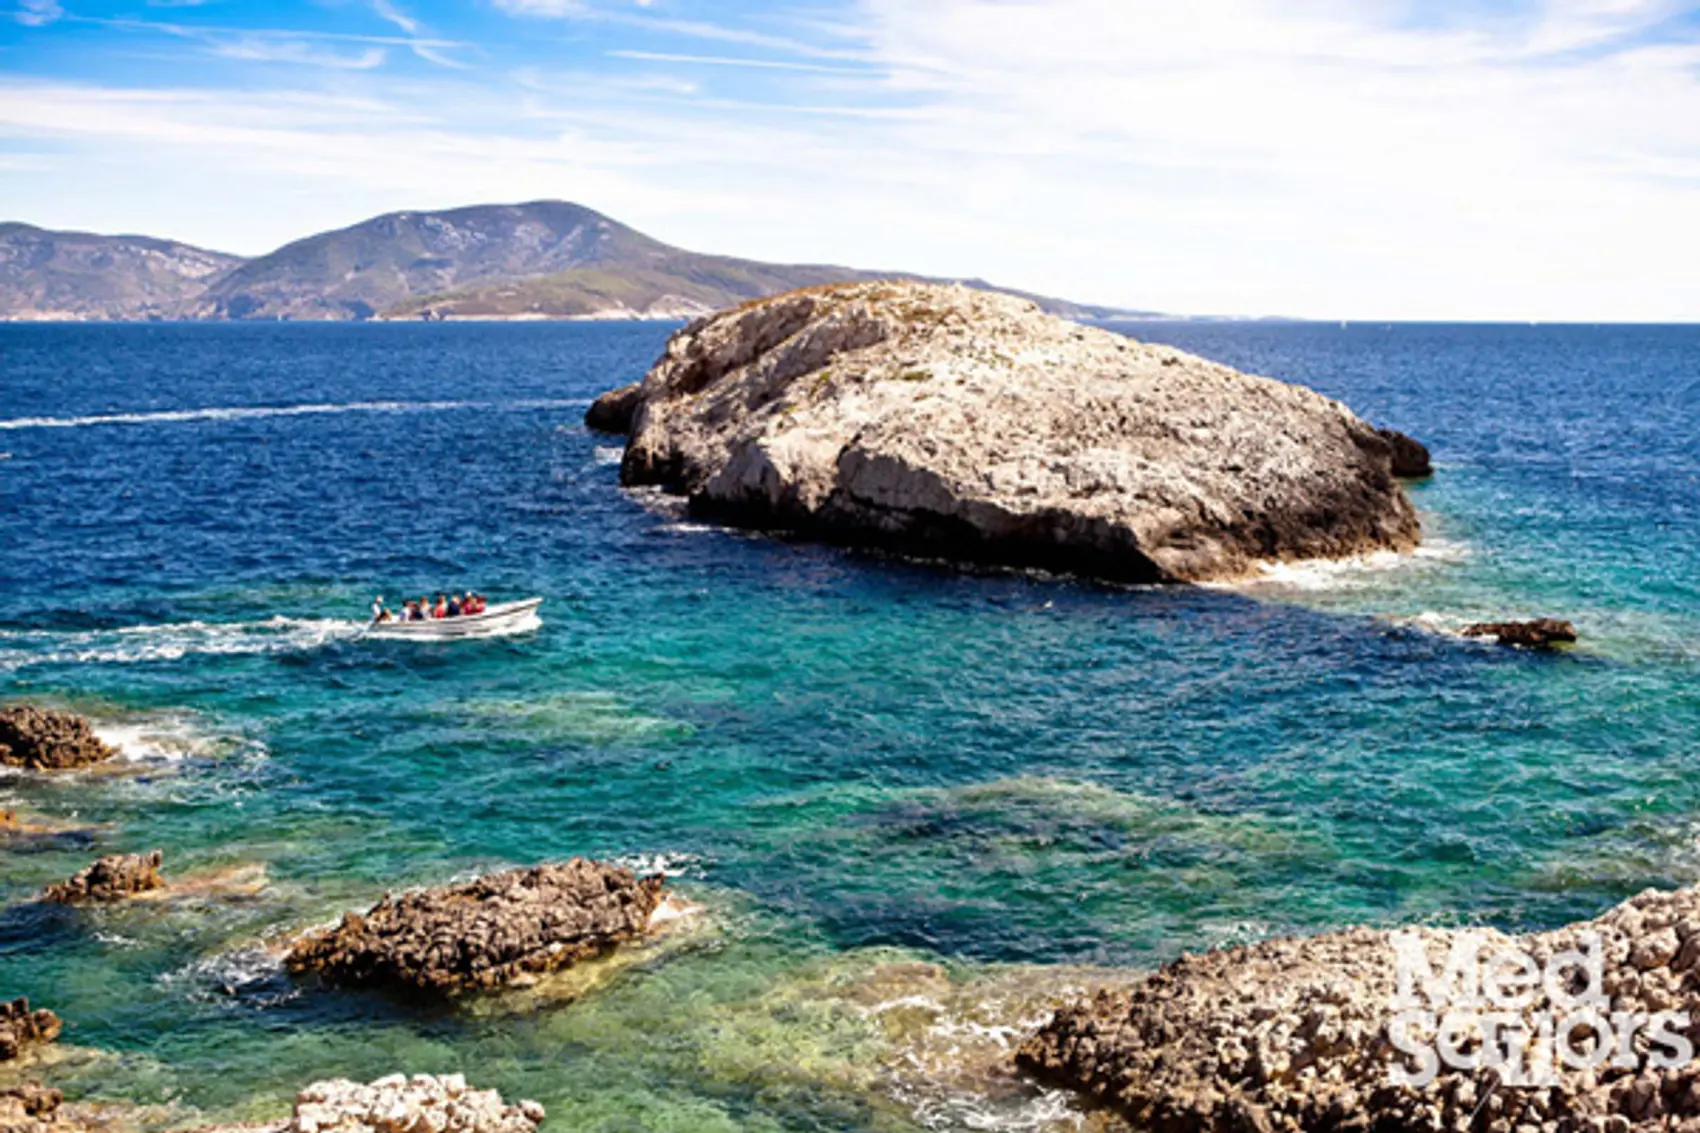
380 613
410 612
454 609
472 604
441 609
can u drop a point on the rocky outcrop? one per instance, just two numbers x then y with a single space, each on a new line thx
1301 1034
613 411
484 934
1542 633
1410 456
952 423
112 878
21 1028
45 739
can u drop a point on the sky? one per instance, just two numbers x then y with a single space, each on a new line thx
1352 159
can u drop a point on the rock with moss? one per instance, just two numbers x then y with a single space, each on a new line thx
497 930
47 739
111 878
950 423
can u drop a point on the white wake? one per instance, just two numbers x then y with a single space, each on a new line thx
248 412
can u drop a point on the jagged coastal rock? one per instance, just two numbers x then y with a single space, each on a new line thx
46 739
946 422
486 933
21 1028
112 878
1297 1034
1542 633
1410 456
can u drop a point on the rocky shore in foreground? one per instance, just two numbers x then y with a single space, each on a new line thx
1307 1034
956 424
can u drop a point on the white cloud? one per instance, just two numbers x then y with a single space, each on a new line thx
547 8
274 49
37 13
388 11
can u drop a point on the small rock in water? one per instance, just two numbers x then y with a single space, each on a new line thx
112 878
1542 633
487 933
21 1027
46 739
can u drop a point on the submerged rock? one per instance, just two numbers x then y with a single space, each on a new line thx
1542 633
1410 456
947 422
1296 1034
21 1028
46 739
486 933
112 878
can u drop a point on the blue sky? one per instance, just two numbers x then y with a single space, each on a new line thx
1533 159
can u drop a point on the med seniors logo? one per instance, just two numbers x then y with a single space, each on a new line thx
1500 1008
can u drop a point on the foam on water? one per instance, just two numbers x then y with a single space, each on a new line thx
165 738
171 641
1310 575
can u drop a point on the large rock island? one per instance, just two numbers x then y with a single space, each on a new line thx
945 422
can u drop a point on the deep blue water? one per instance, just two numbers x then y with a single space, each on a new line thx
859 767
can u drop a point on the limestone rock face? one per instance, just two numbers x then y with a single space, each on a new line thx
112 878
21 1027
947 422
45 739
1295 1034
1542 633
486 933
397 1104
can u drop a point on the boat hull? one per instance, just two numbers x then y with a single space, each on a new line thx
497 621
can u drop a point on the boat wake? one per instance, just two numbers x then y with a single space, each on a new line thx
251 412
171 642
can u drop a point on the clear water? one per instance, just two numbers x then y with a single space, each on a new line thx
913 806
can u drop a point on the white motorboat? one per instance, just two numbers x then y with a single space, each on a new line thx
495 621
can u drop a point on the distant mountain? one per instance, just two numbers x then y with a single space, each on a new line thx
365 270
79 275
540 260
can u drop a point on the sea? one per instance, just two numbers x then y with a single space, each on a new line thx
909 809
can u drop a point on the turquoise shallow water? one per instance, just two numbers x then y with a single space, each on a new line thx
912 806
